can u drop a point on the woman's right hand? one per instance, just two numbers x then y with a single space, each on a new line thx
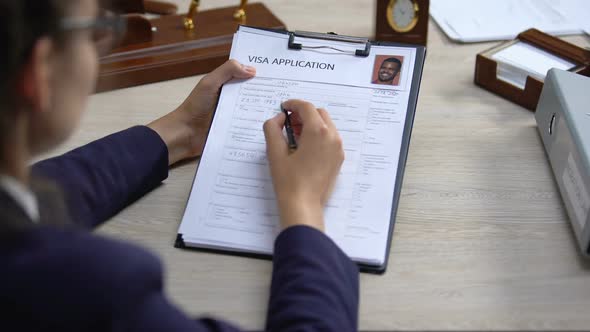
303 180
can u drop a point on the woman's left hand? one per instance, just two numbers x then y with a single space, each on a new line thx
184 130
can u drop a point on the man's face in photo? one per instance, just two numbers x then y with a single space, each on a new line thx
388 71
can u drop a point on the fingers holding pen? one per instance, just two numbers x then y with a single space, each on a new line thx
316 122
303 180
296 124
276 145
307 114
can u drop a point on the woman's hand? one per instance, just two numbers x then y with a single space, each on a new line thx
184 130
303 180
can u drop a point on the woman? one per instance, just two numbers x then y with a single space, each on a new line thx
55 275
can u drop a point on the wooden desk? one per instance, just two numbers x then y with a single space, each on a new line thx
482 240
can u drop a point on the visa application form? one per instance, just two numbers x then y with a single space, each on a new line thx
232 203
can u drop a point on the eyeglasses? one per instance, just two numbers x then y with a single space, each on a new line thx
107 30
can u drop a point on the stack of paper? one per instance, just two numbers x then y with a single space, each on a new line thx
520 60
483 20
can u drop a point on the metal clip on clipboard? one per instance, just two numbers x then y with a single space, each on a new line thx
329 36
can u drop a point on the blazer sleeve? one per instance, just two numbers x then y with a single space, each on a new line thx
156 313
315 286
102 177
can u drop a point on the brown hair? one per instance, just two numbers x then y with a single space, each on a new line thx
22 23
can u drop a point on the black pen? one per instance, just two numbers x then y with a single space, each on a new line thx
289 130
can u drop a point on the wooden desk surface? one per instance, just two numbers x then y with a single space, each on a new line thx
482 240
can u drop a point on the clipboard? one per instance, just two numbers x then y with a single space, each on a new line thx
486 68
364 49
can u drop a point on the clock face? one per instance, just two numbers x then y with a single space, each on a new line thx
402 15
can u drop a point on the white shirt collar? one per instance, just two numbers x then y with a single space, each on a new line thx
22 195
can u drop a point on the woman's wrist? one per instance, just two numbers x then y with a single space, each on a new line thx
177 134
298 212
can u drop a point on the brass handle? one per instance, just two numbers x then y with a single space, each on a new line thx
189 23
240 13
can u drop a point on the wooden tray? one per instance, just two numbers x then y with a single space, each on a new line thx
486 68
172 52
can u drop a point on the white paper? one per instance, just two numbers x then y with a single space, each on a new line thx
484 20
520 60
579 11
232 204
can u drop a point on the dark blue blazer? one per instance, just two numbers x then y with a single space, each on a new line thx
56 276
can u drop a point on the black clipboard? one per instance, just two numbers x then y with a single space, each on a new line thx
408 125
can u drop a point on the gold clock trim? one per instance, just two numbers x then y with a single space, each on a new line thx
394 25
